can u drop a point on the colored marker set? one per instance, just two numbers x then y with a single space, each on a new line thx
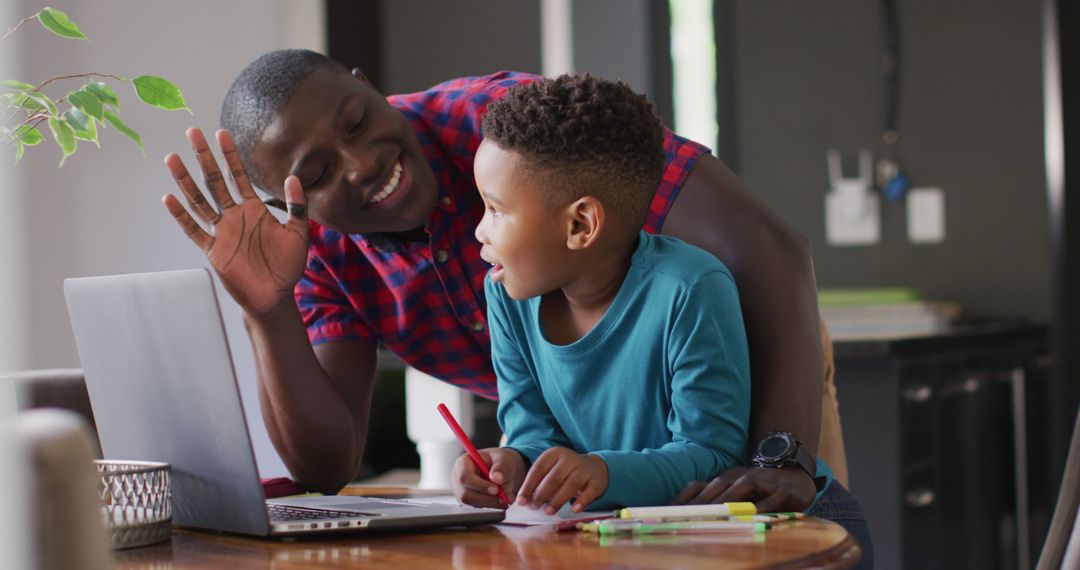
738 518
650 527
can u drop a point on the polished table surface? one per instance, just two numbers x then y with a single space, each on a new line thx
806 543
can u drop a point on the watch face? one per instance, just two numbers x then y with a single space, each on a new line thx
774 447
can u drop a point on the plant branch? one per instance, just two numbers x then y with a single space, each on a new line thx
11 138
92 74
21 22
39 116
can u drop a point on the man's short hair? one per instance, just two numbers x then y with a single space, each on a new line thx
582 135
260 91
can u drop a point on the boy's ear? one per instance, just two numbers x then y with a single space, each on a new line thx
586 219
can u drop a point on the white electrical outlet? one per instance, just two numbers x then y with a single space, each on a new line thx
852 221
926 215
852 209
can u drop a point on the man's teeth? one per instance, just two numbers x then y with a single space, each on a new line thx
390 186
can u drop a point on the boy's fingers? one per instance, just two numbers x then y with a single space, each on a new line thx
587 496
567 491
469 477
536 474
550 485
470 497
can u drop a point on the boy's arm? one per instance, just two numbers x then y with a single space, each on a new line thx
523 414
710 401
775 274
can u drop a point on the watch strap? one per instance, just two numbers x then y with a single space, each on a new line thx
808 463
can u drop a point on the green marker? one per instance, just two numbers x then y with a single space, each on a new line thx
712 527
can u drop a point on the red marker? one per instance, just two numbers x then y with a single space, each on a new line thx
470 449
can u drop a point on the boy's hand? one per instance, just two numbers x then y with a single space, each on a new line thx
470 486
560 474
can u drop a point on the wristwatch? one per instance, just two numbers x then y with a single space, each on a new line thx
780 449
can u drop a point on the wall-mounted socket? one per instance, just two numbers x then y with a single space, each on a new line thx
926 215
852 209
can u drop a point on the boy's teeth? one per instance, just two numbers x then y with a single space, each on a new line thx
390 186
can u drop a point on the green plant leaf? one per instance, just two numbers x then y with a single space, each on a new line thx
87 103
19 101
159 92
27 135
124 129
16 85
82 125
64 136
104 93
58 23
45 101
18 151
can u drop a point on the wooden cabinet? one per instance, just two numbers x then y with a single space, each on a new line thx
945 439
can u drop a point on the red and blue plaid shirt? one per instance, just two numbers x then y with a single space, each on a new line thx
425 301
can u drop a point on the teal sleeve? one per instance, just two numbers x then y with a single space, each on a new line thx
710 402
823 470
523 414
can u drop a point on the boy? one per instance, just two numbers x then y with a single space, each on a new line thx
621 357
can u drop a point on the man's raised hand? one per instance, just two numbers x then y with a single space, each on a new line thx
258 259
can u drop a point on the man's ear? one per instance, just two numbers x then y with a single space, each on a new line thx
586 219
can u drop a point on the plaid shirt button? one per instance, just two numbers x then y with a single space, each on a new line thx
478 326
446 200
441 256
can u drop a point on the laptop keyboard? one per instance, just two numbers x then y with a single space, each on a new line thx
287 513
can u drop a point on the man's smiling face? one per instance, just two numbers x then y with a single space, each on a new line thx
359 161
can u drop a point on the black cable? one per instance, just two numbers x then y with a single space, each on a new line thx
890 64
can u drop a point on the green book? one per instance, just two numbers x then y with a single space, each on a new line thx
868 296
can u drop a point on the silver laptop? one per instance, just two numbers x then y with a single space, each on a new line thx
162 387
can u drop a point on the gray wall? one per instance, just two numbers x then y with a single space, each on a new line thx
807 77
611 38
425 42
101 213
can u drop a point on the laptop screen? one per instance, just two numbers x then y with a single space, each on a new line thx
161 382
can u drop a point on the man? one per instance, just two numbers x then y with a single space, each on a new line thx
392 259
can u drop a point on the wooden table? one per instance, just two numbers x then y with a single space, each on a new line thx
806 543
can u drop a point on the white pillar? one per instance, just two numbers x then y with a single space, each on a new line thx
556 37
435 442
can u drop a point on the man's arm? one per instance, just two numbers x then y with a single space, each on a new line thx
315 402
775 277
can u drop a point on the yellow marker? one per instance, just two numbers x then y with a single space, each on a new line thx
689 512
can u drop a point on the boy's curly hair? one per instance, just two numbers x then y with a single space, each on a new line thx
584 136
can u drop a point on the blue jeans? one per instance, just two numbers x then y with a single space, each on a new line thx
839 505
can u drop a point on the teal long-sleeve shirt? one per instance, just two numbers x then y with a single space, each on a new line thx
659 388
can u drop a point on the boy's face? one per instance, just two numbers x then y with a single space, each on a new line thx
359 161
522 238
